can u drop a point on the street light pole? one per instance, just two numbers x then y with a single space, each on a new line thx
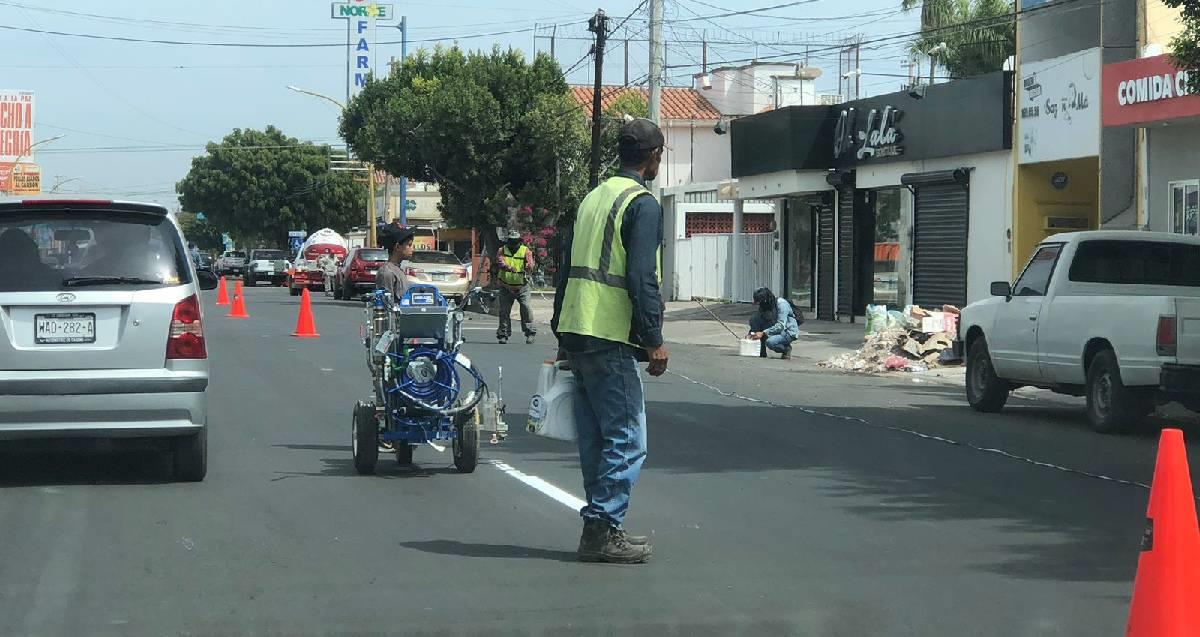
370 167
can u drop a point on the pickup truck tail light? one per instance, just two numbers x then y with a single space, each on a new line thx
186 340
1166 338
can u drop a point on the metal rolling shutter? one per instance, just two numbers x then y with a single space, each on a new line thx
845 250
826 262
940 215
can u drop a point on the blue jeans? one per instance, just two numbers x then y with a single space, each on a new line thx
610 415
779 342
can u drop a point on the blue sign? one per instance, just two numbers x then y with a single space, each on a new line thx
296 242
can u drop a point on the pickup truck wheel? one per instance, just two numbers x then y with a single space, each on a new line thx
1111 406
986 391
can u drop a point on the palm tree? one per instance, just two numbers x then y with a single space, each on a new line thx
966 37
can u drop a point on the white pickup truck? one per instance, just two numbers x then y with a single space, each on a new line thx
1110 315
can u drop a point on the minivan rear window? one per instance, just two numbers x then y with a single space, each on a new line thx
54 250
1136 263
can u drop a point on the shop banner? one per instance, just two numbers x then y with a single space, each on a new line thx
1146 91
1059 108
26 179
16 126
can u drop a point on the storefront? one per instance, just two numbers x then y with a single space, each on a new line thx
1152 94
915 204
1058 149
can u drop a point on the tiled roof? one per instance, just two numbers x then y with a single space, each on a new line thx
676 103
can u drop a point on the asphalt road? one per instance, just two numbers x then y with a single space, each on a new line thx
812 503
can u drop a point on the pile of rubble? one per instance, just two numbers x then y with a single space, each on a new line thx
914 340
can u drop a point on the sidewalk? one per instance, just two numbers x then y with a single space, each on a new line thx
686 322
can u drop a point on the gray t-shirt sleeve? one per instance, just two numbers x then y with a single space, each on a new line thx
390 278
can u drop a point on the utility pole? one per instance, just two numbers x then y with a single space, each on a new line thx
553 33
403 207
656 57
598 25
626 62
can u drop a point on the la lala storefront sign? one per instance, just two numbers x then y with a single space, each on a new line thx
874 134
1145 91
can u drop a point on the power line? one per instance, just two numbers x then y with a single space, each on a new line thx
745 12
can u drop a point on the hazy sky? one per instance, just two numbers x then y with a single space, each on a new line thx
134 114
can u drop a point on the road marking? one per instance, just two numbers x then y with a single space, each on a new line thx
555 493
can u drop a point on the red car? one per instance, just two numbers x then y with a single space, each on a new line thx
356 275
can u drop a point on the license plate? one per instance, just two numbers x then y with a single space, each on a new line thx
439 277
53 329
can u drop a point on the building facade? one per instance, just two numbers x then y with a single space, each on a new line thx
895 199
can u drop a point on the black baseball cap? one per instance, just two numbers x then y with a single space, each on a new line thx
392 235
641 134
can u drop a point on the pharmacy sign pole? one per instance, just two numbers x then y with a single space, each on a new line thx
361 17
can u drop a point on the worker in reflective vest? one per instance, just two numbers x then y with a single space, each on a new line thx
515 260
608 316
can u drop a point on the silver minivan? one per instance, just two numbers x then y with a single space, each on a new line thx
101 327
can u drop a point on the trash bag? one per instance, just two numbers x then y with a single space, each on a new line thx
877 318
552 408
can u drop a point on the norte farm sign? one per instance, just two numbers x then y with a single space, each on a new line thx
360 17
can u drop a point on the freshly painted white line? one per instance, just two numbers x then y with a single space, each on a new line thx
539 484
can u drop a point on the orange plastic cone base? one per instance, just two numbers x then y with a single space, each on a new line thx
305 328
238 310
222 294
1168 575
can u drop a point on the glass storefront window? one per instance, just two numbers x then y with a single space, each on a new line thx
801 224
1185 207
886 268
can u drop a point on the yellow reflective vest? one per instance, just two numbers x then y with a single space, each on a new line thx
516 261
596 302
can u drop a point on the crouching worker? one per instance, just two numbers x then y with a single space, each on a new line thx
774 324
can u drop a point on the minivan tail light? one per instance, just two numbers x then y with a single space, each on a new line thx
1166 338
186 340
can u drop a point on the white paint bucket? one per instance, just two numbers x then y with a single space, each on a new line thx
749 347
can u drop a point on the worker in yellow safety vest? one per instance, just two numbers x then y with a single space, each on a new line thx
608 316
515 261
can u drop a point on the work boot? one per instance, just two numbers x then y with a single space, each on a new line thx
618 549
787 352
529 338
636 540
591 541
503 340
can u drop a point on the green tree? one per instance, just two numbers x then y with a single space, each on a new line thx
201 232
491 129
630 103
257 185
1185 47
978 35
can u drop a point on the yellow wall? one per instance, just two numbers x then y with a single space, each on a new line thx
1162 23
1037 199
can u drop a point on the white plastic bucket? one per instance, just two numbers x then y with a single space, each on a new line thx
749 347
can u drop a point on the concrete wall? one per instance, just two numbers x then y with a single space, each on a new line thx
695 154
1118 152
1050 31
990 220
1171 157
1162 23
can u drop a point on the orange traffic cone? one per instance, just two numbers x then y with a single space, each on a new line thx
237 287
1168 573
222 295
305 328
238 310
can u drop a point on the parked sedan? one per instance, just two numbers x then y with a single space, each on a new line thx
442 270
356 275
